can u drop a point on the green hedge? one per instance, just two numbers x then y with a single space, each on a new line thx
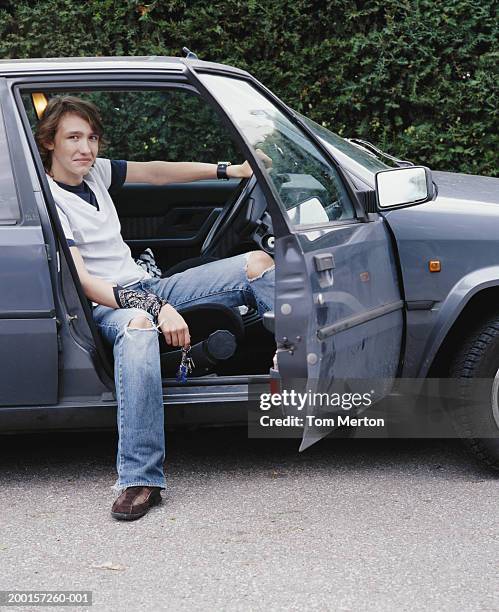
417 78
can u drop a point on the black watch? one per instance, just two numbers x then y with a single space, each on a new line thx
222 170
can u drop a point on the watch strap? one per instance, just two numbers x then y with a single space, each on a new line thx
222 170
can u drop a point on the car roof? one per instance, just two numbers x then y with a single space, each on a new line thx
44 65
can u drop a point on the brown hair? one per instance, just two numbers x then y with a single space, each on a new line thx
52 115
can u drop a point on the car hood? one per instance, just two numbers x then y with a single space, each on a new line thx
467 187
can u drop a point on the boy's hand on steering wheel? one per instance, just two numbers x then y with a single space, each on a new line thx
267 161
244 170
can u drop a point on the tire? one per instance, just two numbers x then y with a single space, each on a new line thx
478 359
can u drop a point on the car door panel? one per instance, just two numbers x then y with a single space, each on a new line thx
352 316
28 331
173 219
185 226
340 268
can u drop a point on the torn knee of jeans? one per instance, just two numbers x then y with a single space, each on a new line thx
143 323
262 260
254 278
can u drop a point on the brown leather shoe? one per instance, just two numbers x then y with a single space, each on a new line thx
134 502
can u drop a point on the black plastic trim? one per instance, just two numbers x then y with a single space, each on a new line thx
349 322
420 305
27 314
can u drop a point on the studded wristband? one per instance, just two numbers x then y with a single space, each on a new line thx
132 298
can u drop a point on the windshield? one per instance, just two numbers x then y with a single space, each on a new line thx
365 163
310 188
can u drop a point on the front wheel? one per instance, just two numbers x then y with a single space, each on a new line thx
475 370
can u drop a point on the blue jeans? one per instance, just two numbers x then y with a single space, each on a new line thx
137 369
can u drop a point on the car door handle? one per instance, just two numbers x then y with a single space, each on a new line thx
324 265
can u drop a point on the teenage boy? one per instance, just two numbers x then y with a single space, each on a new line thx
130 307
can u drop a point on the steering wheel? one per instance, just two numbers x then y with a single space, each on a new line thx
228 214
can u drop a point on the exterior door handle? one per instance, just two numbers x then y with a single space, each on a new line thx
324 265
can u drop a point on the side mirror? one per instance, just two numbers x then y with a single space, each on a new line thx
399 187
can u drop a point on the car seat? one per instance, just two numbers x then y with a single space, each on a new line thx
215 330
254 347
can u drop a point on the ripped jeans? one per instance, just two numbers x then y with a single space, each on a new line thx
137 368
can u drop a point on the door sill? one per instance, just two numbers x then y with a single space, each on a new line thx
211 389
214 380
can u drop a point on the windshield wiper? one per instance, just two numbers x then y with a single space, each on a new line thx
370 148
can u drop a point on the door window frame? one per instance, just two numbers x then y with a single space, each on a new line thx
361 215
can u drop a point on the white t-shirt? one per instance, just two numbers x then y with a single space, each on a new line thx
97 233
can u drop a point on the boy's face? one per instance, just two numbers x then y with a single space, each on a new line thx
74 149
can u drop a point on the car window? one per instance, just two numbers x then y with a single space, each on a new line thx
310 188
9 204
168 124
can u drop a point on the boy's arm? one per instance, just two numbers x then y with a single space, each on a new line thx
163 172
171 323
95 289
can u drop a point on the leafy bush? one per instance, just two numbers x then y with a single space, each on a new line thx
146 125
416 77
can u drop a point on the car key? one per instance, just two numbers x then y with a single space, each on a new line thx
186 365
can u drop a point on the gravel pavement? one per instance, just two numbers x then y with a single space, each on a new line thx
254 525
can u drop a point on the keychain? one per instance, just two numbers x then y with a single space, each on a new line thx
186 365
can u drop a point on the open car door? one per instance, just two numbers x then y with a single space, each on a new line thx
338 310
338 321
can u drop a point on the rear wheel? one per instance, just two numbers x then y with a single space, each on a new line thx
476 372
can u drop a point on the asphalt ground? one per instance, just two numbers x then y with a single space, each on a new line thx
363 524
